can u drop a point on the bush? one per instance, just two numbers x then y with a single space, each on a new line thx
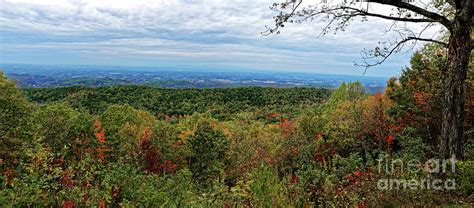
465 176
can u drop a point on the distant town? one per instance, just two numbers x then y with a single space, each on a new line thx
45 76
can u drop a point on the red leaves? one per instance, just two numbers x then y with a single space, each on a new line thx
153 157
150 155
319 157
420 98
102 204
286 126
168 166
146 133
100 135
361 205
66 180
324 151
319 135
67 204
270 116
376 120
390 139
356 177
292 188
9 175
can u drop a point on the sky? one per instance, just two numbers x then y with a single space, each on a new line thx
191 34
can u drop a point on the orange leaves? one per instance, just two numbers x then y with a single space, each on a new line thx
102 204
8 174
286 126
100 135
227 132
146 133
375 119
421 100
185 134
390 139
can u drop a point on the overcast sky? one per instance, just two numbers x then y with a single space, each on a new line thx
181 34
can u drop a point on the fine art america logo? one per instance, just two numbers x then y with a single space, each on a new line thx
433 166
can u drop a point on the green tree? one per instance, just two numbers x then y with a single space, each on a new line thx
15 120
209 149
61 127
124 126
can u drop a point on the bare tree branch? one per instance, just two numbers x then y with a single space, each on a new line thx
430 40
387 52
365 13
338 17
428 14
281 19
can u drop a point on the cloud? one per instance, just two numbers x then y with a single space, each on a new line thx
181 31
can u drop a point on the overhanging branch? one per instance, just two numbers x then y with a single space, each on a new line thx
428 14
402 19
429 40
396 48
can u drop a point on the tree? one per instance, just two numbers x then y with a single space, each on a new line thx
15 120
418 95
209 148
60 126
124 127
456 16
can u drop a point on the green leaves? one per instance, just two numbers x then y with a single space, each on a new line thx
15 120
209 149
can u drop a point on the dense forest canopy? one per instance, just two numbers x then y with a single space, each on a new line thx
134 146
222 103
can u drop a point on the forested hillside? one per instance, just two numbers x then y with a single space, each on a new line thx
134 146
221 103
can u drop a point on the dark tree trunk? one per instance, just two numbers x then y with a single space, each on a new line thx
459 48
